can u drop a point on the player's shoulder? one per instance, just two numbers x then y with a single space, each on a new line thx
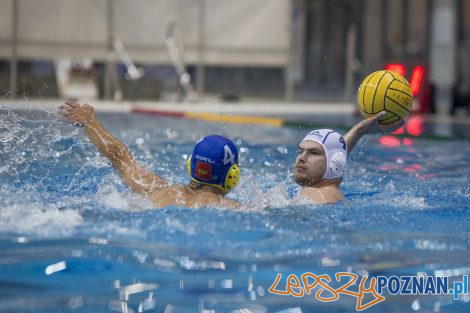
321 195
175 193
229 203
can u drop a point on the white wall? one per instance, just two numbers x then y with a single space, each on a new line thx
241 32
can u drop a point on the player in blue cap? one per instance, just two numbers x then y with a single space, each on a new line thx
214 162
321 160
213 165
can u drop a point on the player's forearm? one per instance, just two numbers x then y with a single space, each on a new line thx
137 178
108 146
354 135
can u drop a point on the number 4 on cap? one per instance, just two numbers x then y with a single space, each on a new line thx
228 156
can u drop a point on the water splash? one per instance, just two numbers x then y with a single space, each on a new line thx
37 220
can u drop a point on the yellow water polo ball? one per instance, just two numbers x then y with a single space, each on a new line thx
385 90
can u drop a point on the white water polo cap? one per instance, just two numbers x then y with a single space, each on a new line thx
336 151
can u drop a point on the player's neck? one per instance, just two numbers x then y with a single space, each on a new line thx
322 195
195 188
332 183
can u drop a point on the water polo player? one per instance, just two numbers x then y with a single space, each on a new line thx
321 161
213 165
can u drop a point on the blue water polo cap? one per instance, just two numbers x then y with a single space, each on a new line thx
214 161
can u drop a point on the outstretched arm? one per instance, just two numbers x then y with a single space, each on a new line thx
369 126
134 175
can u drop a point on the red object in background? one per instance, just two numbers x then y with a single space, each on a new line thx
397 68
416 79
389 141
407 141
413 168
414 126
419 82
399 131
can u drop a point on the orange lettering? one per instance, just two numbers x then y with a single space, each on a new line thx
272 290
308 286
363 290
296 284
293 283
324 285
351 282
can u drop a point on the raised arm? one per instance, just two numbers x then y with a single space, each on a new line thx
134 175
369 126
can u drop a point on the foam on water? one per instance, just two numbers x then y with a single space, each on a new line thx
35 220
398 213
110 196
52 162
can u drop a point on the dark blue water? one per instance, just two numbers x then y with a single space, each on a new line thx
406 213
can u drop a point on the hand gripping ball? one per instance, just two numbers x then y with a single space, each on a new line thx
385 90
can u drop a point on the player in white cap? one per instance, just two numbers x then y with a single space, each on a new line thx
321 161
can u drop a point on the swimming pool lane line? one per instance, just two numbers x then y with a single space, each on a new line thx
214 117
235 119
163 113
238 118
269 121
249 114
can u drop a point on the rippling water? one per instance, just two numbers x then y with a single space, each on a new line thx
73 238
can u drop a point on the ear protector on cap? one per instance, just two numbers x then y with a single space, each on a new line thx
337 164
231 178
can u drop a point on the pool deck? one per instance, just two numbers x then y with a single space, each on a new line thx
308 115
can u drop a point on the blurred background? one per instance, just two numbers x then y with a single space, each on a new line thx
273 50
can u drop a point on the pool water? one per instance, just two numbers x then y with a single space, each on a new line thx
74 238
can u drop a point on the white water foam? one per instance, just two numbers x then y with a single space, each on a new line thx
112 197
35 219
